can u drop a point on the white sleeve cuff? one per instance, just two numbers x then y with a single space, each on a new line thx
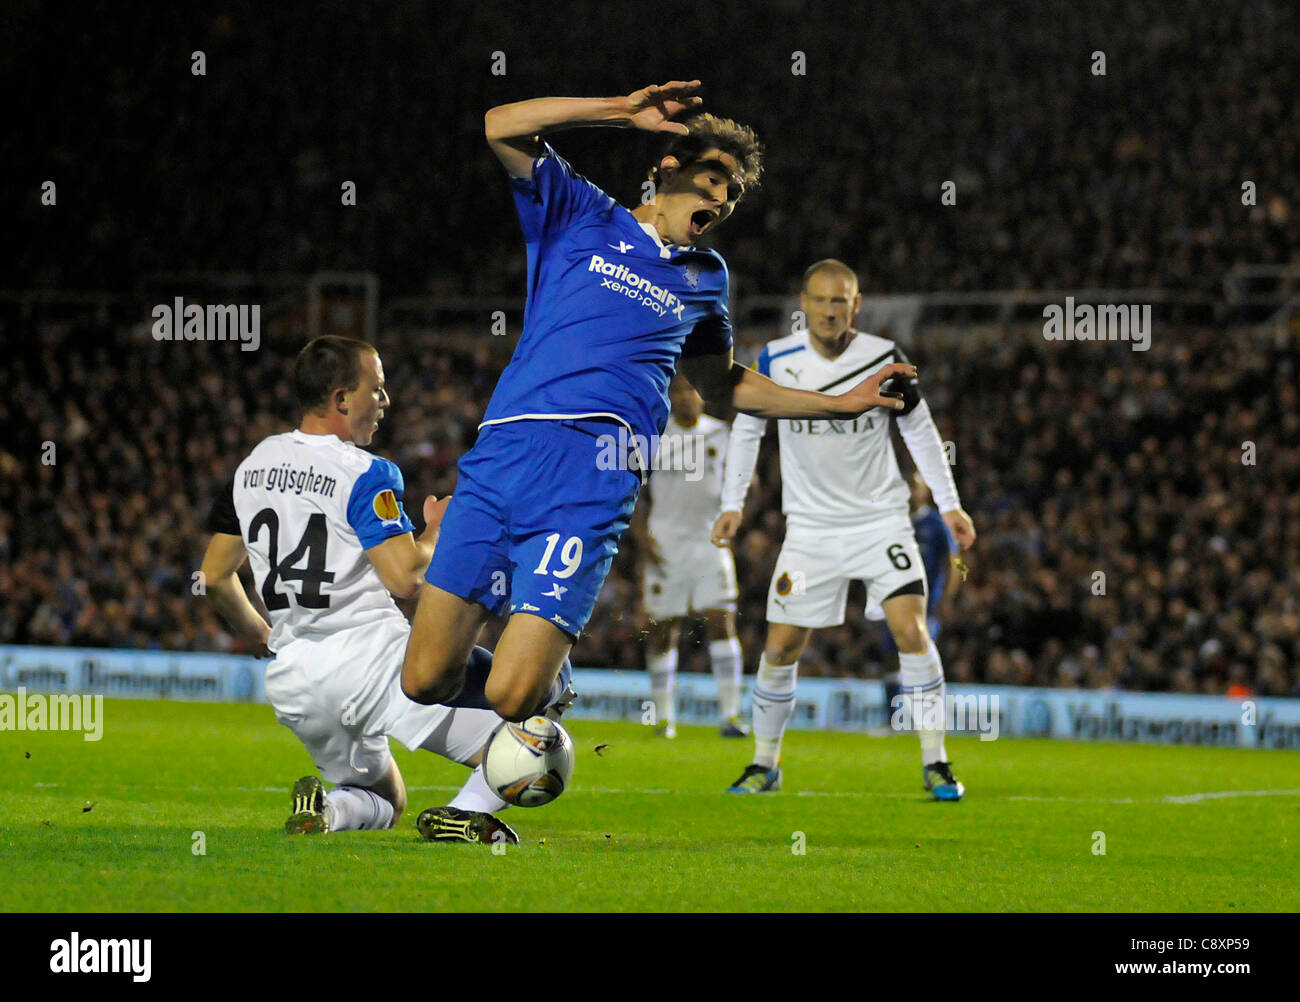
922 440
742 456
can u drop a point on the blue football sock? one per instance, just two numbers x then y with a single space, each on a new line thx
473 694
558 688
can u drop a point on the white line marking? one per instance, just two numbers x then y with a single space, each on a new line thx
1185 798
1196 798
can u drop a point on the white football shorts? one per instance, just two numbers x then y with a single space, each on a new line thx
810 584
693 577
342 696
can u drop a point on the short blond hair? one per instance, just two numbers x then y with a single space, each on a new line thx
834 266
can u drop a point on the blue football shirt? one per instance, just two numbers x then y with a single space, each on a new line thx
610 308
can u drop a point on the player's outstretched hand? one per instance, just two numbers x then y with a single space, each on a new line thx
724 529
868 394
653 108
433 512
961 527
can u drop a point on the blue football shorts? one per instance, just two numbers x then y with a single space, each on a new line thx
535 519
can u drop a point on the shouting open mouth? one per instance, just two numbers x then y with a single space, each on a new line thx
701 220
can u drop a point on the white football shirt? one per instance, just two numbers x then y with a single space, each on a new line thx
686 482
308 507
835 474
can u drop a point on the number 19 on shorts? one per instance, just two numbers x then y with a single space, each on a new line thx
570 556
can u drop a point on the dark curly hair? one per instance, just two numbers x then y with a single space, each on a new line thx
709 132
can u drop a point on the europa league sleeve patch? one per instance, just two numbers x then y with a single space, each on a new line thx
385 506
374 510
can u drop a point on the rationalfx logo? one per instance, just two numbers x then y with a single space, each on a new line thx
75 955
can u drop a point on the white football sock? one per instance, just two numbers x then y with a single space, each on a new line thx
663 670
352 808
476 795
921 678
725 656
773 707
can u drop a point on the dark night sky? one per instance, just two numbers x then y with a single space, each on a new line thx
1064 178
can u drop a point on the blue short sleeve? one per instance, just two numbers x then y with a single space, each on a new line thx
554 196
712 334
375 509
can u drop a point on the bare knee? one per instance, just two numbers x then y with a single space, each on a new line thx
399 805
528 658
432 688
663 636
432 678
905 615
442 635
511 699
720 624
785 644
783 655
911 638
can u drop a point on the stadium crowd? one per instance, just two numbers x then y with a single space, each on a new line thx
1064 177
1139 513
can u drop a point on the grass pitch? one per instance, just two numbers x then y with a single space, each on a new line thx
646 826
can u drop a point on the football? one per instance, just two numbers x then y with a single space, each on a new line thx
528 764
